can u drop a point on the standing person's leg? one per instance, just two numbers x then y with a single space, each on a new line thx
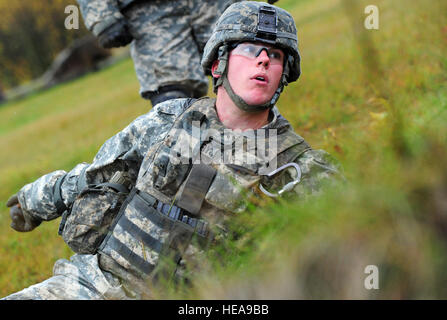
77 279
165 54
204 15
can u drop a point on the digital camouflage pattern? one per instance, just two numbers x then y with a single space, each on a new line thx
79 278
158 151
169 37
90 217
100 14
162 175
106 274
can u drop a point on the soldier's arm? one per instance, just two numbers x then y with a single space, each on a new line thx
318 170
39 198
99 14
124 151
105 20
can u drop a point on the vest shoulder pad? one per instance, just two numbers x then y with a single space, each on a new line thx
174 107
290 146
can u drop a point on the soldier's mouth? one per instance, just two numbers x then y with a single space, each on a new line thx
260 77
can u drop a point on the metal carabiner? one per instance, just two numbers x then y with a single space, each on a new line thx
288 186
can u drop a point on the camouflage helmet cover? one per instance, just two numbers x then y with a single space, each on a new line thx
240 23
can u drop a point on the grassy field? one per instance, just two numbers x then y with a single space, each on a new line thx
375 99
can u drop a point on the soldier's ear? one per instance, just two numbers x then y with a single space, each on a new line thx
213 69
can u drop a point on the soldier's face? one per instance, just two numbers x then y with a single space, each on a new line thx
254 73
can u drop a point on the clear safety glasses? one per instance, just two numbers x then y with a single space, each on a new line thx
251 50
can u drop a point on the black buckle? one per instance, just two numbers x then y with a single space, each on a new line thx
267 24
178 214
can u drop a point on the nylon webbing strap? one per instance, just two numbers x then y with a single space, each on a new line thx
81 184
131 256
144 237
57 196
59 203
196 187
116 186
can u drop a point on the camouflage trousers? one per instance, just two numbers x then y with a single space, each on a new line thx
81 278
169 37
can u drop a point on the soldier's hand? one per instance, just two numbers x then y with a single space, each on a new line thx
272 1
20 220
117 35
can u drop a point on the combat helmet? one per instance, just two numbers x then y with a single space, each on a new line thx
256 22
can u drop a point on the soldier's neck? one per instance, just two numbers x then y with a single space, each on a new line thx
234 118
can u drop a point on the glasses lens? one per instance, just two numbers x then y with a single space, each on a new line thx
251 50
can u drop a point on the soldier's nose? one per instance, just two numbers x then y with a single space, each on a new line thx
263 59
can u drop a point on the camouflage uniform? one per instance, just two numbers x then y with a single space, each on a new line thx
167 161
169 38
109 273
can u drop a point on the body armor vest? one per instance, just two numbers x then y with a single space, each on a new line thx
190 181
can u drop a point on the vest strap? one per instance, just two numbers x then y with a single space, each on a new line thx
130 256
181 226
57 196
196 187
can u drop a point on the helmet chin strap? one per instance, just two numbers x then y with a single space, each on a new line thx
237 100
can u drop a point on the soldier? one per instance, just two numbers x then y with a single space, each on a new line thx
168 40
180 191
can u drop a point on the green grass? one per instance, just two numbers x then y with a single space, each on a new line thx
51 130
376 100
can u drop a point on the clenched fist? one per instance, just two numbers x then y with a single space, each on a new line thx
20 220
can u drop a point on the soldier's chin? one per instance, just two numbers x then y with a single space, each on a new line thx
257 100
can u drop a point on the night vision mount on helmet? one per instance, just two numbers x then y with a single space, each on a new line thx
250 21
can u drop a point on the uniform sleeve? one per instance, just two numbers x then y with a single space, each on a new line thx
37 198
318 171
98 14
124 151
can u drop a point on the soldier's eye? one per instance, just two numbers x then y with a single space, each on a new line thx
275 55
